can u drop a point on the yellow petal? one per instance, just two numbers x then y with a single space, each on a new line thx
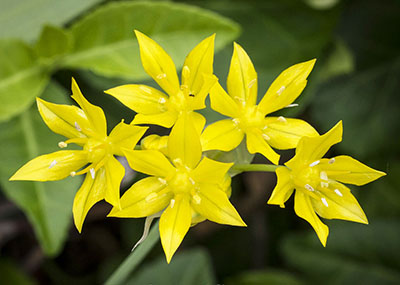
198 120
257 143
150 162
283 189
285 133
348 170
304 209
114 173
311 149
222 135
91 192
210 171
125 136
337 202
197 101
140 98
155 142
242 77
144 198
68 121
184 146
222 102
199 62
174 224
53 166
212 203
166 119
94 114
286 87
158 64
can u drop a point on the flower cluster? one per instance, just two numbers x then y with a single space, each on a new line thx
184 186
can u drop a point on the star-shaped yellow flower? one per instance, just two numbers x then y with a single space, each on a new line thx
153 106
250 119
317 182
86 127
180 186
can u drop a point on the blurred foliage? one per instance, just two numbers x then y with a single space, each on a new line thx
355 79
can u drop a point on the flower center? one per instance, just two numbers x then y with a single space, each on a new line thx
250 118
181 182
97 149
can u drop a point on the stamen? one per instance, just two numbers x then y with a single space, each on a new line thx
331 161
192 181
251 83
172 203
280 90
177 161
151 197
324 177
314 163
265 127
77 127
266 137
292 105
73 173
324 202
53 163
309 187
162 180
162 100
338 192
282 119
161 76
197 199
145 89
92 172
62 144
185 72
236 121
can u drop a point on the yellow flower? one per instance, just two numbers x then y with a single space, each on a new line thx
153 106
250 119
85 127
180 186
317 182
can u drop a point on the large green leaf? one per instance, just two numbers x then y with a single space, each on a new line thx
186 268
21 77
47 205
355 254
105 42
23 19
261 277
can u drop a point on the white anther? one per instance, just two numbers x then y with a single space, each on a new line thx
282 119
338 192
145 89
77 127
324 177
265 127
331 161
53 163
161 76
151 197
324 202
162 100
162 180
177 161
314 163
236 121
197 199
62 144
309 187
251 83
92 172
185 71
172 203
292 105
266 137
280 90
192 181
73 173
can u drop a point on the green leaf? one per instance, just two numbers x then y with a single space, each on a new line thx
21 78
47 205
23 19
355 254
261 277
105 42
53 42
186 268
11 274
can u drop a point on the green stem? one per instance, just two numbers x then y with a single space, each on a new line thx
134 259
256 167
